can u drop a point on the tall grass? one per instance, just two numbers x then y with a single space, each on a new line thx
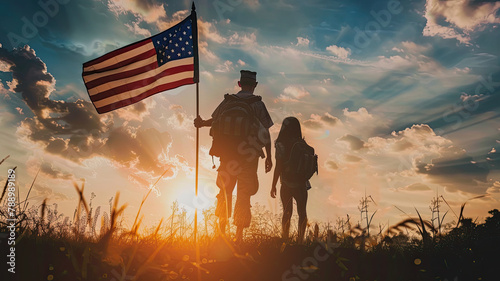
94 244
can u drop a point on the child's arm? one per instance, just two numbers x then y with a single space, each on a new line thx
277 173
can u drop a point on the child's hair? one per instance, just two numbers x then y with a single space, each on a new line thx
290 131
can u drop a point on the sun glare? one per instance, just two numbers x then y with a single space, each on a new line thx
184 194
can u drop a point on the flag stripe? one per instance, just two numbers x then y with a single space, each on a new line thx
157 89
120 59
132 94
118 86
145 55
140 83
115 53
121 75
91 77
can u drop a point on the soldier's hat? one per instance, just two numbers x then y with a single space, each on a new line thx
249 76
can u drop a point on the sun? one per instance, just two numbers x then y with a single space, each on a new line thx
184 195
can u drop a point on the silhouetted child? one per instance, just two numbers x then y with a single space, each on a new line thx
295 164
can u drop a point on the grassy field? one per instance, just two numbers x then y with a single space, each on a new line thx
93 245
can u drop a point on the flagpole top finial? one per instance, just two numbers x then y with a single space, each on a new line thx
193 8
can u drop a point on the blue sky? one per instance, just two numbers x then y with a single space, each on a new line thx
400 99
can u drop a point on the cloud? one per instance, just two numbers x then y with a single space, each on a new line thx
244 40
320 121
331 165
150 11
412 47
293 94
495 188
352 158
208 32
48 169
136 111
145 150
354 142
227 66
458 19
455 171
179 119
136 29
339 52
301 41
3 90
493 159
44 191
417 154
416 187
361 115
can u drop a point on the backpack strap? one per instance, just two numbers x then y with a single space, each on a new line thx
249 100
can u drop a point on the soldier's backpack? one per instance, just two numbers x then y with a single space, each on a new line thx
234 124
301 164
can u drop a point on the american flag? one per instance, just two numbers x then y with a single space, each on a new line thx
127 75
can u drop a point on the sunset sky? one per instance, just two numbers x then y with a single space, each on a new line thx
400 100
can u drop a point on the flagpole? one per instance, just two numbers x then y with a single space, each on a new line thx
197 159
196 79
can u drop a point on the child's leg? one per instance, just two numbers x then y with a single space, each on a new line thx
286 200
300 196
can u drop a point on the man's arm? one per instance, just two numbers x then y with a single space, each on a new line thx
269 161
199 122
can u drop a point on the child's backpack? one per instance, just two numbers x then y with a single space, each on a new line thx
301 164
233 126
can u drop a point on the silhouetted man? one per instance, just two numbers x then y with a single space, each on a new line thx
240 128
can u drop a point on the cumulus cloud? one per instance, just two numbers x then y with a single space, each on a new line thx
417 154
150 11
301 41
435 157
458 19
320 121
412 47
44 191
3 90
416 187
293 94
352 158
361 115
493 159
136 111
136 29
227 66
145 149
456 171
52 172
179 119
331 165
342 53
242 39
208 32
495 188
48 169
355 143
